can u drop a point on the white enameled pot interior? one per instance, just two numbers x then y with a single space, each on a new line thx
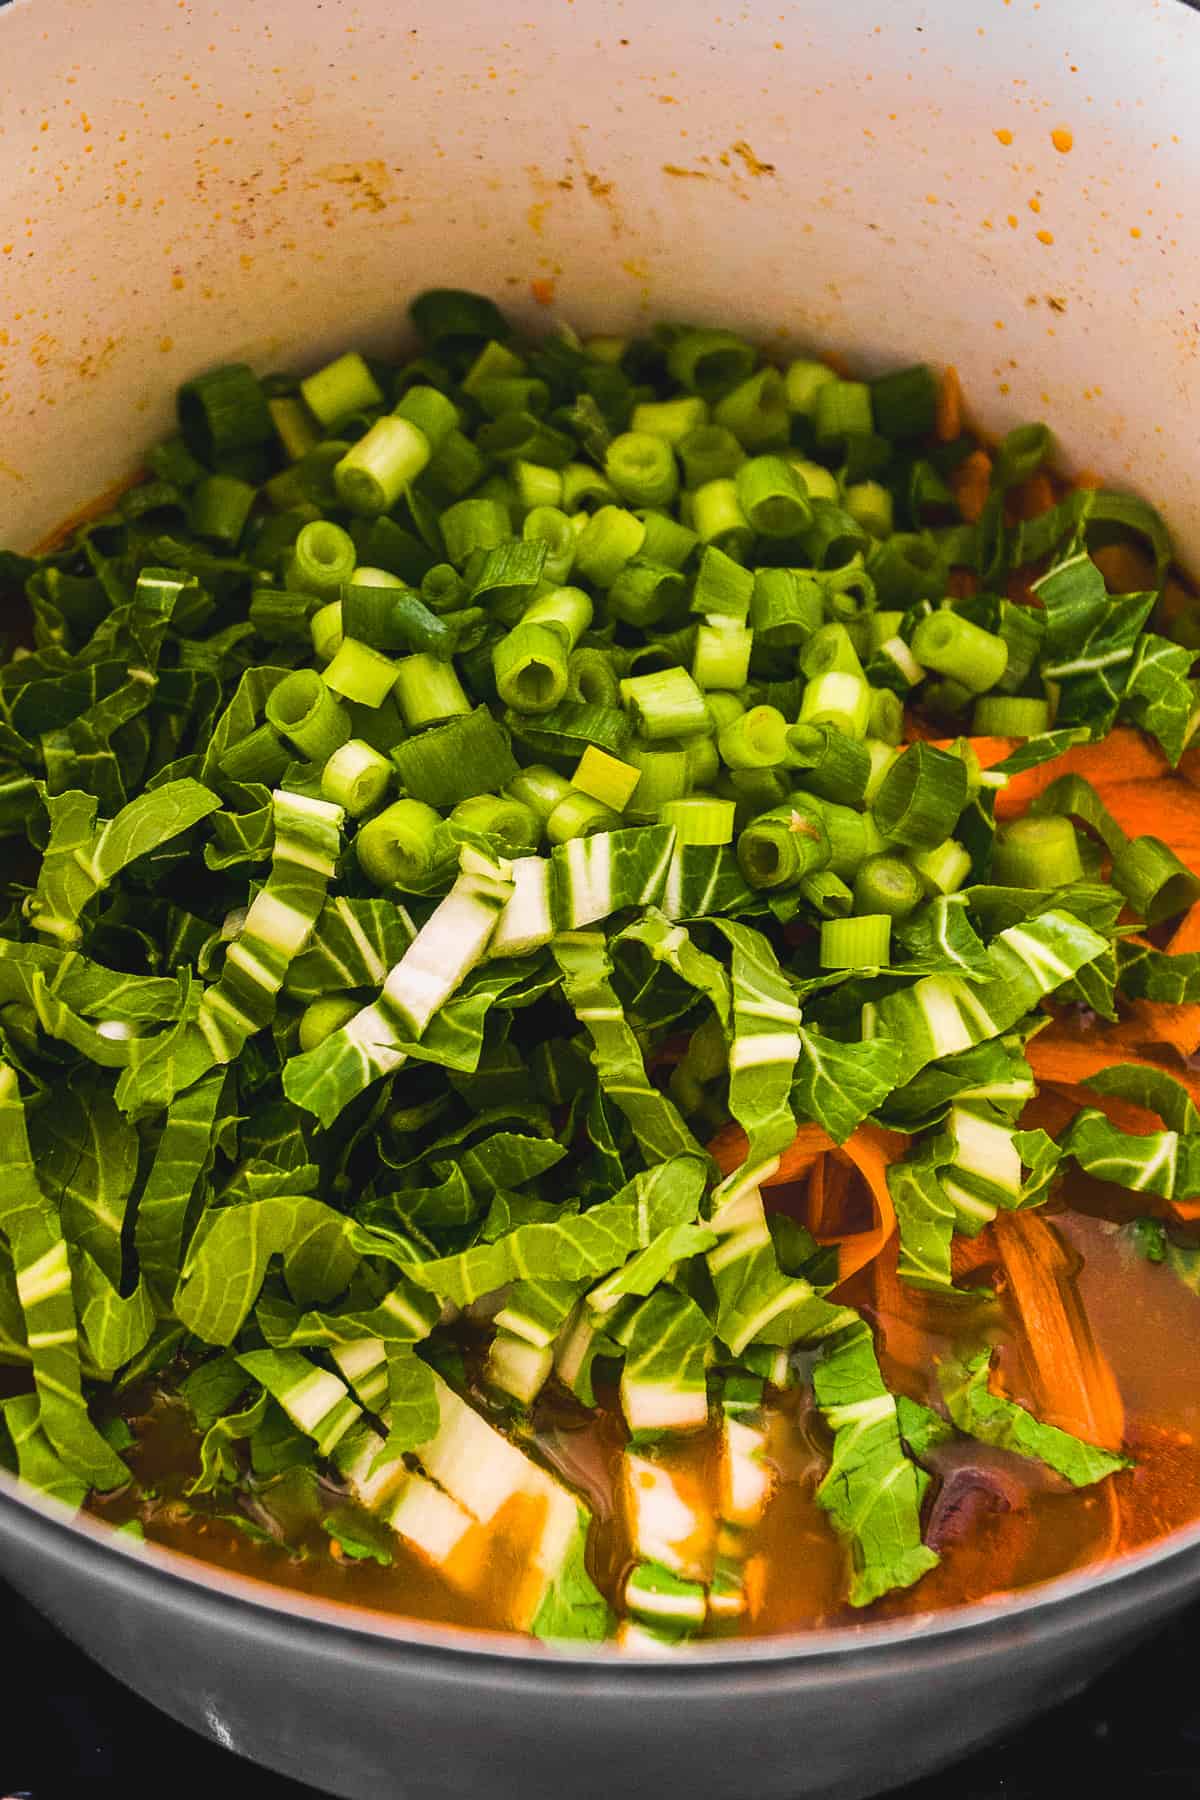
186 183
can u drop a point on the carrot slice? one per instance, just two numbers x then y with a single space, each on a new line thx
871 1150
970 482
728 1150
1123 759
1061 1056
1035 496
1074 1386
949 406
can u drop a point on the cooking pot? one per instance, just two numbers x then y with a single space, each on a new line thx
1005 186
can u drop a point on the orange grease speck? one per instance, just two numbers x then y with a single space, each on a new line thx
1045 237
1003 136
1062 139
542 289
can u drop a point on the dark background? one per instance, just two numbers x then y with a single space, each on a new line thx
68 1732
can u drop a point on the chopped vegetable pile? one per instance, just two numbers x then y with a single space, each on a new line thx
492 819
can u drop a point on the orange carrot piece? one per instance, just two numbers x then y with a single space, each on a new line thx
1087 478
1168 809
728 1150
969 483
871 1150
1060 1056
1035 496
949 406
1074 1385
1123 758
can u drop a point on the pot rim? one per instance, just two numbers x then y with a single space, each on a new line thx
47 1525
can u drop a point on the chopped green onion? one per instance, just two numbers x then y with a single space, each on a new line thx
781 846
547 525
375 471
886 884
757 739
666 703
472 525
670 420
721 658
841 411
293 426
591 678
870 503
1036 853
325 628
664 775
840 700
885 722
433 413
964 652
722 586
703 761
862 942
323 557
522 436
585 488
606 778
280 615
494 362
566 610
837 767
517 826
904 402
642 469
723 707
428 691
530 664
820 483
756 411
827 894
223 412
666 542
537 485
303 710
399 845
502 394
802 381
699 819
579 815
709 453
717 518
342 387
359 673
786 607
830 650
356 777
220 507
450 762
259 756
609 539
710 362
773 497
646 593
1010 715
1153 880
539 788
944 868
882 757
921 797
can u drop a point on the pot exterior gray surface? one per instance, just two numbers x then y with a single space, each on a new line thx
369 1717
